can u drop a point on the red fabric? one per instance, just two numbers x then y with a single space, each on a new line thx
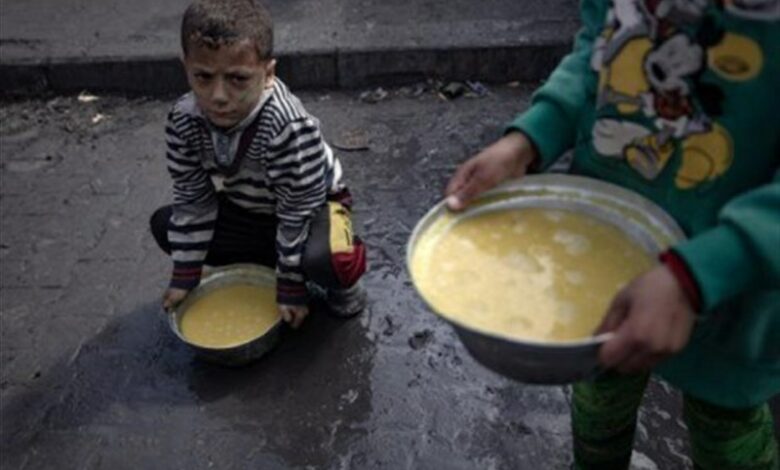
680 270
343 197
185 278
350 266
187 272
291 294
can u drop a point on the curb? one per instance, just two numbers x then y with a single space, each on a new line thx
324 70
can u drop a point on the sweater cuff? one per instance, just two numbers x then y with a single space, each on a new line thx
186 275
680 270
548 128
291 293
720 263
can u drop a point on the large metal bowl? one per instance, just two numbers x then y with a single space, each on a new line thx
555 362
216 279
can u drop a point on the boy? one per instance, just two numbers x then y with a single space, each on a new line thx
282 202
676 100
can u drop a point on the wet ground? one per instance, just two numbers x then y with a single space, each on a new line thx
91 378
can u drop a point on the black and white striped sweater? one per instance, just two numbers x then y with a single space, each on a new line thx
287 170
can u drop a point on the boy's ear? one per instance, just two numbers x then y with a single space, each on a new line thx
270 73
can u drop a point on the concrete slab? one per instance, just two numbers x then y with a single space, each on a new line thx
69 45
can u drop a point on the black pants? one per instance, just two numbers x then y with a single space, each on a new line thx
243 237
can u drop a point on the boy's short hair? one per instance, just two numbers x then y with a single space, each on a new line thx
215 23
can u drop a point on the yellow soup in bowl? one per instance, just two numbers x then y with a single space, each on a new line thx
530 273
230 316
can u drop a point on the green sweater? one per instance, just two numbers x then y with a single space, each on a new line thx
681 105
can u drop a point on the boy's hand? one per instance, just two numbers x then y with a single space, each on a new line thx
652 319
509 157
293 314
173 297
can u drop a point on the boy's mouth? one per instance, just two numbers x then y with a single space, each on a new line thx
221 114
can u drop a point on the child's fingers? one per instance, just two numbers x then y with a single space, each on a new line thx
616 313
460 177
286 315
611 321
294 316
618 349
471 188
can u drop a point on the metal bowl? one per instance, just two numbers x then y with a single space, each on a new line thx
220 277
554 362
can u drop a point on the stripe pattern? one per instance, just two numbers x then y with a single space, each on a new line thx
287 171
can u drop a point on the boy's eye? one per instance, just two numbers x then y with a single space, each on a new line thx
203 76
238 79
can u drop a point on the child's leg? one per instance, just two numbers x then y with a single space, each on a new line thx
333 257
728 439
239 236
603 416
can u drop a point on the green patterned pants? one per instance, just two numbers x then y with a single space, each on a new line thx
604 415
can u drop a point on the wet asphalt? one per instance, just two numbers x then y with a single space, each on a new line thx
91 378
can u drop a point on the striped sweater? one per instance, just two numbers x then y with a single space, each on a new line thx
286 170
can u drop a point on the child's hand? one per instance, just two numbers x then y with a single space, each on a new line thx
652 319
173 297
509 157
293 314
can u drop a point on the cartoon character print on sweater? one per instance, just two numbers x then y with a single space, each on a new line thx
650 58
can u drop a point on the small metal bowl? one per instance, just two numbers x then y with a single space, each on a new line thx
220 277
554 362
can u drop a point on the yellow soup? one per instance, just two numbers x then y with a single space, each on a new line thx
529 273
230 316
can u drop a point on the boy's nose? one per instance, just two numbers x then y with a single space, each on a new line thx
219 94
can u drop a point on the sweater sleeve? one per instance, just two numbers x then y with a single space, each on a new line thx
551 121
296 168
191 227
742 252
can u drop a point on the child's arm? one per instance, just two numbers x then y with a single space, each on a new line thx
194 212
653 316
296 167
509 157
547 129
742 252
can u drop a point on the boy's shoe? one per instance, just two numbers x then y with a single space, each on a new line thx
347 302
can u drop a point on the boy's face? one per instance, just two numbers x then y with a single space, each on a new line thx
227 81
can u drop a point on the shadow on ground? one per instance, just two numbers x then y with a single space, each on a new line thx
135 364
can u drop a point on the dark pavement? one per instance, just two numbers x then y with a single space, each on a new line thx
91 378
120 46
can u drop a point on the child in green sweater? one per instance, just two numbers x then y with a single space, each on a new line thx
678 101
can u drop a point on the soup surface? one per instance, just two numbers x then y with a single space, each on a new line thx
230 316
532 273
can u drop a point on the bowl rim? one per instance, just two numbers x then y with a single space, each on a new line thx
211 276
622 196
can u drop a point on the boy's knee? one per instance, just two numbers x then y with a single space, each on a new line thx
333 256
158 224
